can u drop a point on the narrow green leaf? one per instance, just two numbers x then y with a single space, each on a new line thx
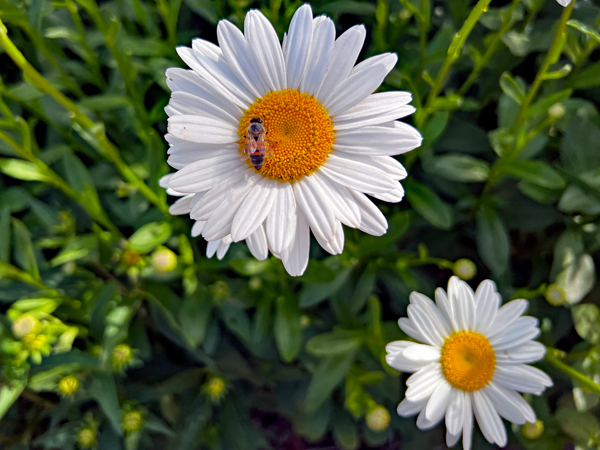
541 106
22 170
334 342
536 172
328 374
511 88
150 236
493 242
462 168
104 390
287 329
584 29
428 204
24 248
9 394
586 319
4 234
344 431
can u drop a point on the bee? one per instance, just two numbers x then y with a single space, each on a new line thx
257 147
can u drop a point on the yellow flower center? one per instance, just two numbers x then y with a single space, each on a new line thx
468 360
299 131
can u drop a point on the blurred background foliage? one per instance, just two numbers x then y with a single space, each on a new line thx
118 333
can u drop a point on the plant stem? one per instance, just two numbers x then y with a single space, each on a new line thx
554 357
490 50
551 57
96 130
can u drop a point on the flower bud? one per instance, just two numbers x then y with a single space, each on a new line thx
86 437
164 260
121 356
132 421
555 295
35 341
533 430
220 289
254 284
131 258
26 324
378 418
556 111
465 269
68 385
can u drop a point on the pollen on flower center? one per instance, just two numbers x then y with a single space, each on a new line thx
468 360
299 131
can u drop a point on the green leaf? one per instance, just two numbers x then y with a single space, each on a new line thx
578 150
344 431
493 242
24 248
518 43
104 102
22 170
314 294
512 88
149 236
287 329
541 106
313 426
581 426
462 168
428 204
584 29
587 78
335 342
9 394
104 390
195 317
4 234
536 172
328 374
586 318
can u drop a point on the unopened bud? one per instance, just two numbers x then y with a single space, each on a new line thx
555 295
254 284
86 437
215 388
26 324
164 260
465 269
35 341
132 421
131 258
378 418
533 430
121 355
556 111
68 385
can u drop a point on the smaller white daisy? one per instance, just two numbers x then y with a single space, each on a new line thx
473 361
564 2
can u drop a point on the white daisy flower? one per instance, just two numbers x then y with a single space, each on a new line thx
327 139
563 2
473 360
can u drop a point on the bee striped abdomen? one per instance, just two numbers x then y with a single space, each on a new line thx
257 159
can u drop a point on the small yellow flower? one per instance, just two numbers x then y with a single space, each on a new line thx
35 341
26 324
533 430
121 356
555 295
465 269
86 437
378 418
68 385
215 388
132 421
164 260
254 284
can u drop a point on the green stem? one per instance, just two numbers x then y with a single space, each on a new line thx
490 50
424 23
554 357
550 59
96 130
58 182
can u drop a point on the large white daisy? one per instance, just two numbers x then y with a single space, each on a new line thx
331 139
473 360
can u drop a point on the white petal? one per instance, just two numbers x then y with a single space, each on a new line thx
202 129
181 155
487 302
315 207
407 408
522 378
507 315
211 248
525 353
515 331
421 353
375 109
518 338
388 139
396 347
445 308
509 404
323 40
264 46
462 298
257 244
197 228
410 329
281 222
564 2
221 193
467 421
297 45
341 201
488 419
357 176
204 174
295 257
372 220
357 87
336 245
452 439
181 206
394 196
240 59
454 412
254 210
425 324
427 306
223 247
342 58
422 383
191 105
438 402
189 81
